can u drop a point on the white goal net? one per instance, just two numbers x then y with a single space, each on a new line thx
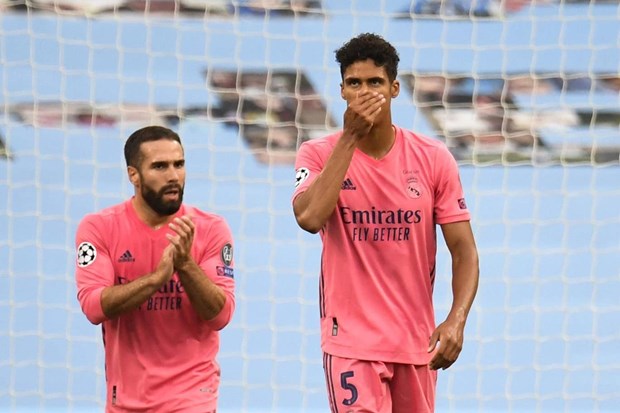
525 94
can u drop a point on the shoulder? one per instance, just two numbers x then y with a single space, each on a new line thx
205 219
102 226
313 154
432 146
104 216
421 140
212 230
325 143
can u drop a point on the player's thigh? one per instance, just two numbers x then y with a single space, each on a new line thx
357 385
413 388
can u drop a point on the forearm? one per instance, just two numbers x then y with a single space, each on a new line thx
314 206
205 296
465 274
119 299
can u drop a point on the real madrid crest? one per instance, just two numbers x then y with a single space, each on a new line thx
413 189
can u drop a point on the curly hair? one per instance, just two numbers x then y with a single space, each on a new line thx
369 46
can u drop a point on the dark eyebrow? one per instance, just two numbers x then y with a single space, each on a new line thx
164 163
371 79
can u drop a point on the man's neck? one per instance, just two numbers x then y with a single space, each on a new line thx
147 215
379 141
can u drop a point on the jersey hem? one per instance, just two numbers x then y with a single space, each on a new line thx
418 358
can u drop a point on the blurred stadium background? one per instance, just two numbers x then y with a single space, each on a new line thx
525 94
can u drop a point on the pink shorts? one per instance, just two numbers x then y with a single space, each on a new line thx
378 387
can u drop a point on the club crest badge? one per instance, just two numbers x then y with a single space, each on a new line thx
414 190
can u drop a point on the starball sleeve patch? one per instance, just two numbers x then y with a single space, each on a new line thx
301 175
86 254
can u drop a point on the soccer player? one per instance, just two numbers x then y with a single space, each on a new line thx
158 276
376 193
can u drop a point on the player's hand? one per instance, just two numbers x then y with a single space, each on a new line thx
182 239
165 267
449 336
361 113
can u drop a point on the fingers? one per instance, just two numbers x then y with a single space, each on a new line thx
433 341
184 226
440 362
362 112
182 238
437 361
448 351
367 103
168 251
165 268
184 229
445 356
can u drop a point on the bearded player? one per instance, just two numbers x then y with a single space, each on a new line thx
158 276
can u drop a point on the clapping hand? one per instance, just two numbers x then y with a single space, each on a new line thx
182 239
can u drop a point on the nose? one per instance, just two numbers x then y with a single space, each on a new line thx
173 174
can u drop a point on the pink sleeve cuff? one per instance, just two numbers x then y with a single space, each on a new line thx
223 318
91 305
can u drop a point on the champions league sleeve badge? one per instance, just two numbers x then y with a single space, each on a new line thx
227 254
86 254
301 175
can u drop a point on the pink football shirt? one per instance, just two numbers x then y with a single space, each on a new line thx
379 246
161 356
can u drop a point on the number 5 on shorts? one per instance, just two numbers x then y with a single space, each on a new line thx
348 386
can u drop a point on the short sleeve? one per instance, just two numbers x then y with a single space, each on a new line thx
450 205
308 165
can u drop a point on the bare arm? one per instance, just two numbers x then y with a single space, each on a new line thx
119 299
465 273
206 297
314 206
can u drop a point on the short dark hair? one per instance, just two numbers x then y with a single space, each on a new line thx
133 156
369 46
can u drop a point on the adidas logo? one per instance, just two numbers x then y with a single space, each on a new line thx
126 257
348 185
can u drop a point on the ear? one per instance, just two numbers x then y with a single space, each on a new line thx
395 88
134 175
342 91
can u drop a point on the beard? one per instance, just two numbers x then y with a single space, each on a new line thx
155 199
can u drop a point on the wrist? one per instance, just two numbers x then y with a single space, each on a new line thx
458 314
185 265
349 139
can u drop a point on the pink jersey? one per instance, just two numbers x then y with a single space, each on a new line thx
161 356
379 246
